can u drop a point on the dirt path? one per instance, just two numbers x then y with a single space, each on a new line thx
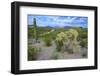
46 52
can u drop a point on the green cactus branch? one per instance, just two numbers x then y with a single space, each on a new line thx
35 29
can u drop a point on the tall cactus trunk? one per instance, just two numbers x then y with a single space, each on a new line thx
35 30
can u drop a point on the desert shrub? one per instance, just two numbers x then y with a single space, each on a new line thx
82 33
55 55
47 39
84 55
32 53
54 34
70 51
76 47
30 32
83 42
59 45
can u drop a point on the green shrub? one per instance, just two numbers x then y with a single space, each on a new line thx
59 45
82 33
70 51
32 53
30 32
55 55
47 39
83 42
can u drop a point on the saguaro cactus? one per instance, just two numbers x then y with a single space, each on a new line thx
35 29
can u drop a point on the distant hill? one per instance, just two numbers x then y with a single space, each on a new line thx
67 27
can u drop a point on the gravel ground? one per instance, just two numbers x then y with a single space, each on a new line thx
47 52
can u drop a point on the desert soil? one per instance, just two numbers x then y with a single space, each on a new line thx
46 52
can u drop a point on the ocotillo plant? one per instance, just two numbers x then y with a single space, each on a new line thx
35 29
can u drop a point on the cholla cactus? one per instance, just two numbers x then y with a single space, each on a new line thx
61 36
67 41
76 47
60 39
72 34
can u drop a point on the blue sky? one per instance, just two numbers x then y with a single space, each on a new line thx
58 21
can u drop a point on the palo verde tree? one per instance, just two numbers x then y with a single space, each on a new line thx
35 29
